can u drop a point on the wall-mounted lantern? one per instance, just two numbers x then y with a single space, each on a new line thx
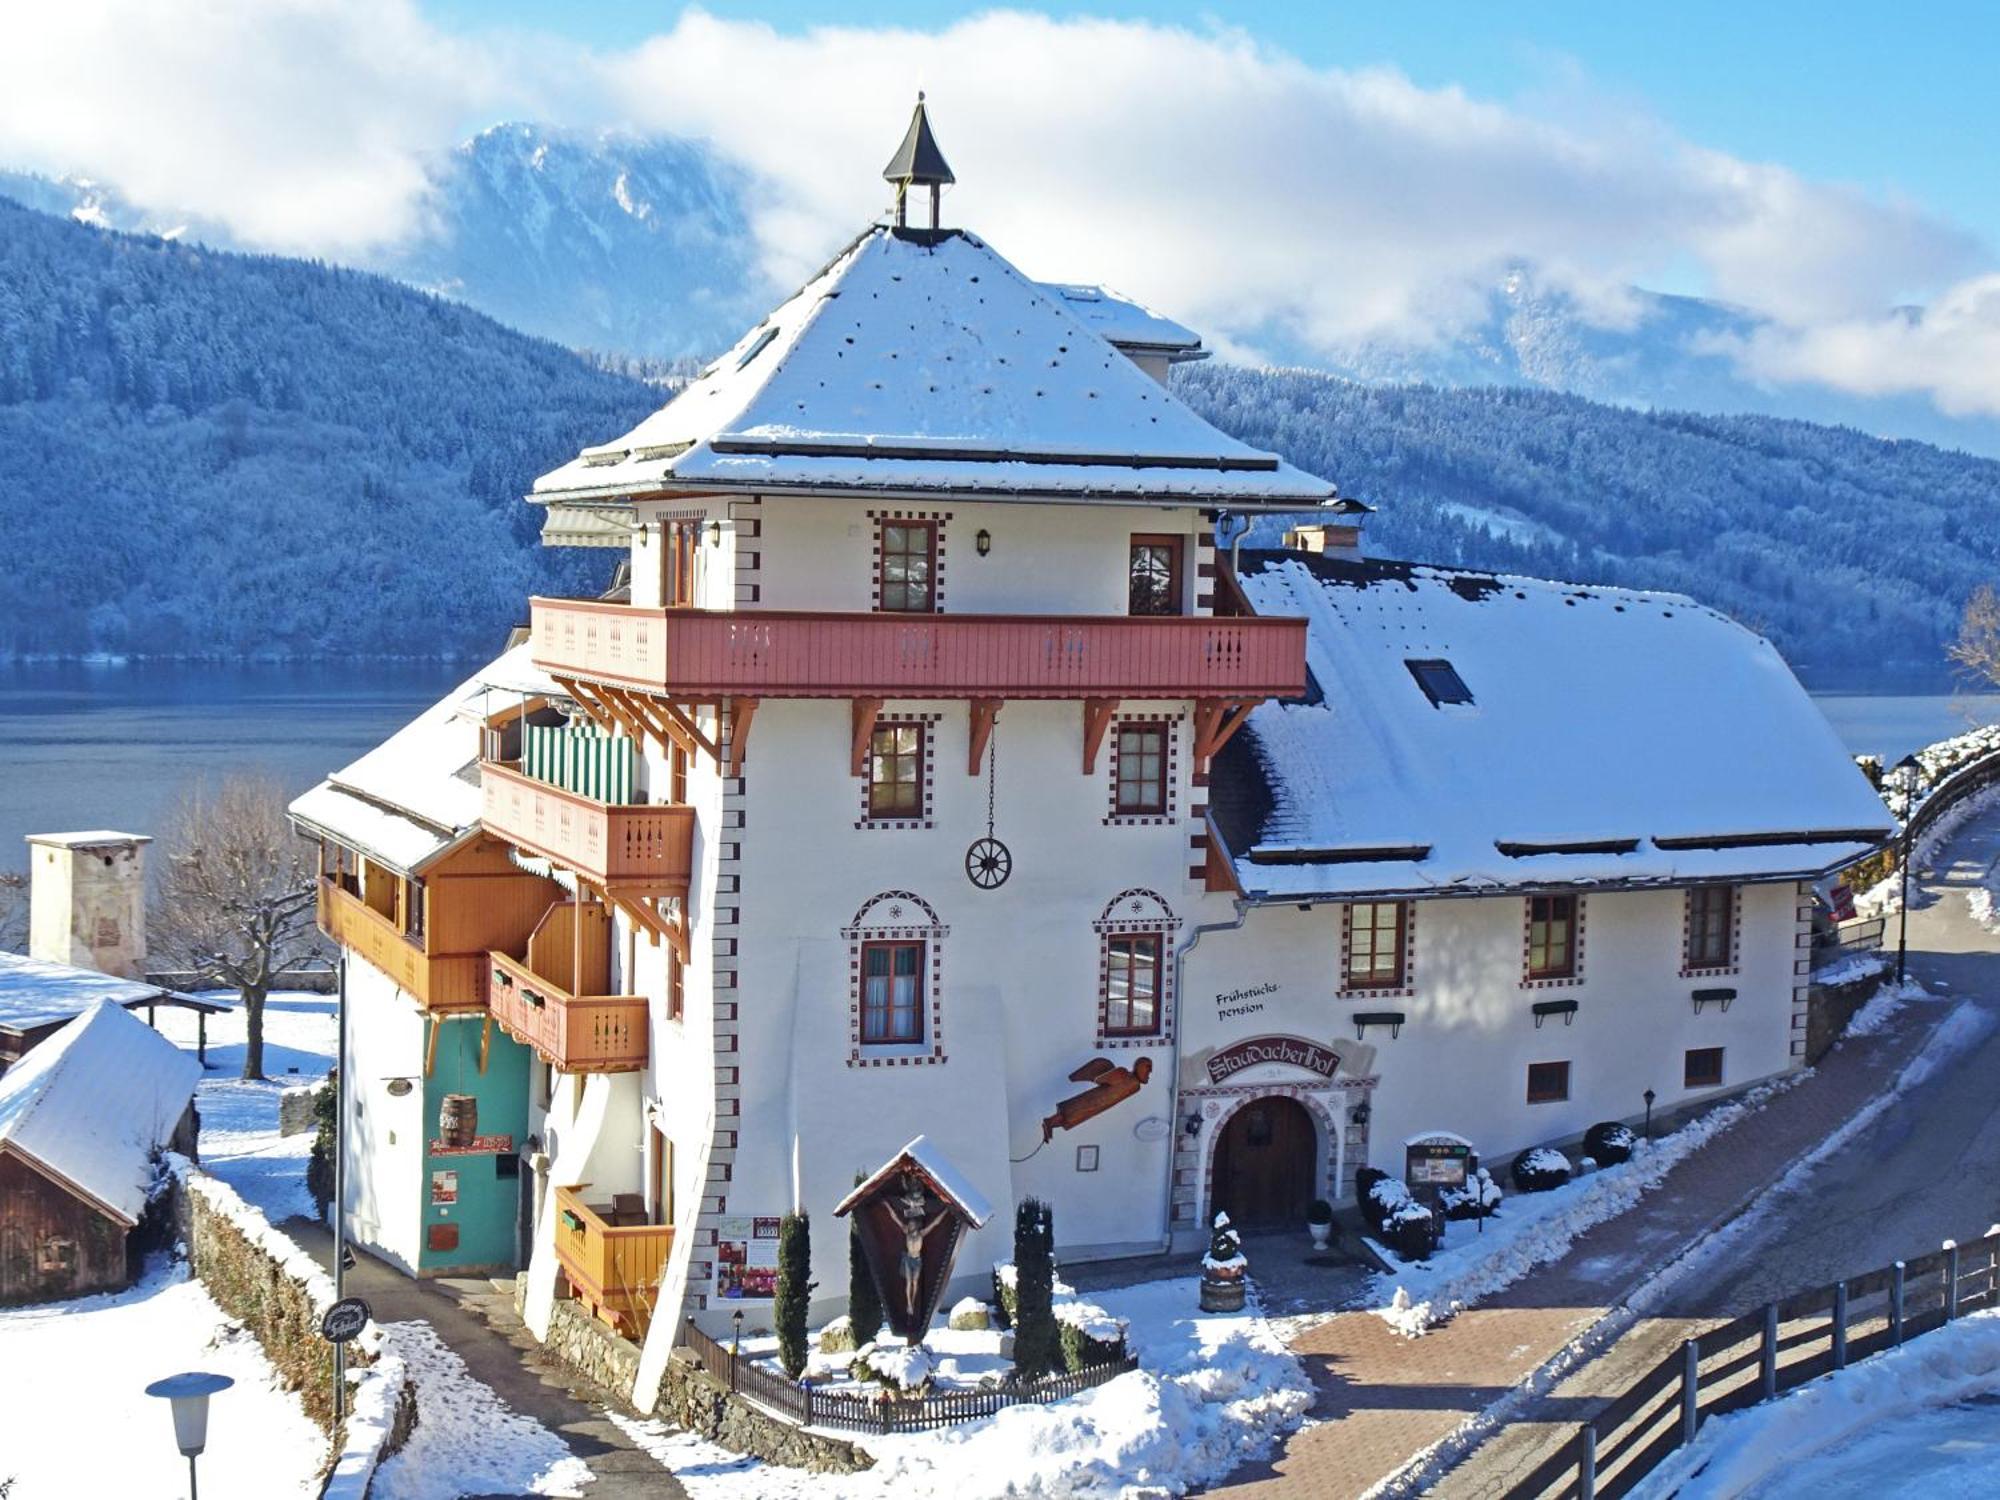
983 542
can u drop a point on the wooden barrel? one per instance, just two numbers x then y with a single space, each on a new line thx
458 1119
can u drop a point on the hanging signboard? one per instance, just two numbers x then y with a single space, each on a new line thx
1292 1051
478 1145
344 1320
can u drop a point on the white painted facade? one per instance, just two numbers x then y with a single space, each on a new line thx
385 1134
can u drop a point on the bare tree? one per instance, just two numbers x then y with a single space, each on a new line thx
235 901
1977 649
13 912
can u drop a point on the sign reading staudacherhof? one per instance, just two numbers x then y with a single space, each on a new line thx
1293 1051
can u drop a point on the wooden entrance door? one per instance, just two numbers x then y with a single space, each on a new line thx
1264 1163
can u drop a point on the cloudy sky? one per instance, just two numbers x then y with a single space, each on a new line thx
1342 171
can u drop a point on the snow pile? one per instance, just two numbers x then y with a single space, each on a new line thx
1093 1322
371 1415
1736 1453
1536 1228
1850 967
79 1422
467 1440
1212 1392
907 1367
1883 1007
1981 903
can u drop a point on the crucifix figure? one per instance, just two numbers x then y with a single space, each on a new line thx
910 1215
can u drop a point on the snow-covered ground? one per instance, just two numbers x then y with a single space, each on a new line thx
1532 1229
239 1117
79 1423
1919 1420
1212 1391
467 1440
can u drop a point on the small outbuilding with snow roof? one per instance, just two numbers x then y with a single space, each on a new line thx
83 1121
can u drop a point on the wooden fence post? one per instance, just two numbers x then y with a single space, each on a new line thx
1840 1325
1586 1464
1950 1280
1767 1356
1690 1390
1896 1303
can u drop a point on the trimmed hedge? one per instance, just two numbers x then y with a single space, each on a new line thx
1609 1143
1539 1170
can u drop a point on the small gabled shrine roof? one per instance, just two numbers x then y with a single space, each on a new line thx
944 1179
922 361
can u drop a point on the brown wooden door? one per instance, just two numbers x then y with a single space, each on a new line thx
1264 1163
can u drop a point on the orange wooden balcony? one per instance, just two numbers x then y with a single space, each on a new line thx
613 1268
576 1033
639 849
442 982
692 653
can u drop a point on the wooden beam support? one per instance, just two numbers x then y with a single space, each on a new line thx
637 909
1097 714
741 712
866 712
1216 720
984 712
677 935
485 1042
1232 720
584 699
673 714
434 1026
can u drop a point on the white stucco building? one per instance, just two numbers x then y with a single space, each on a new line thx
934 770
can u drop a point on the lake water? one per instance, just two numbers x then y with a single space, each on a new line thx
107 746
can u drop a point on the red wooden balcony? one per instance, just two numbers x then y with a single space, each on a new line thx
692 653
639 849
576 1033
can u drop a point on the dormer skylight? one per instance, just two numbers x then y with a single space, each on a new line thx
757 346
1440 681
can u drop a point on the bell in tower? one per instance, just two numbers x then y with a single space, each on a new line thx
918 160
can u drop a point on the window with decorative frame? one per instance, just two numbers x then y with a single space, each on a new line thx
892 993
1377 946
1553 937
907 562
1710 930
1139 768
896 771
1135 980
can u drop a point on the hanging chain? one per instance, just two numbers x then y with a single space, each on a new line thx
992 770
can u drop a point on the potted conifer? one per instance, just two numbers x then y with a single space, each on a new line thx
1319 1222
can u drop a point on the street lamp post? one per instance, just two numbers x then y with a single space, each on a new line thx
1903 915
1649 1097
189 1394
342 1086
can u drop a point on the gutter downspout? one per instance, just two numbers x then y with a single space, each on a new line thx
1195 936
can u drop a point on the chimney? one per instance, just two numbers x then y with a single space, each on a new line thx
87 900
1327 538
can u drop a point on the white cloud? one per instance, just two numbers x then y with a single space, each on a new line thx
1227 183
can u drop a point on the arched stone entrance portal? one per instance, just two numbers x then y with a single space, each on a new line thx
1267 1163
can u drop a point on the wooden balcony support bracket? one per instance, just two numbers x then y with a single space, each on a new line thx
485 1041
984 712
648 722
681 719
638 910
598 711
1097 714
741 712
1216 721
866 712
677 933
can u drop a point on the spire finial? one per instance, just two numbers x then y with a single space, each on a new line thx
918 160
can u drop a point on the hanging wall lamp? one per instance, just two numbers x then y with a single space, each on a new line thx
984 541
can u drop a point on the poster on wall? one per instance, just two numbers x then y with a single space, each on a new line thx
746 1256
444 1189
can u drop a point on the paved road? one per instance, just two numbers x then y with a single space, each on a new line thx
1929 1168
478 1322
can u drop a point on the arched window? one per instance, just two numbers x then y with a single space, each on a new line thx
895 967
1135 971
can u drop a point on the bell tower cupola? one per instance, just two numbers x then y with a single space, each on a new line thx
918 161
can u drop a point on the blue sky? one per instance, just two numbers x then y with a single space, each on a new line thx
1894 98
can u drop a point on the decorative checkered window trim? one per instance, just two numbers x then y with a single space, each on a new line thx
1142 911
928 753
897 916
1688 969
1171 723
936 518
1575 976
1379 991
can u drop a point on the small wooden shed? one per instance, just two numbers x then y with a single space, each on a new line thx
38 998
82 1120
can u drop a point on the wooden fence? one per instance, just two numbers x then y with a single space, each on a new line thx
809 1406
1757 1357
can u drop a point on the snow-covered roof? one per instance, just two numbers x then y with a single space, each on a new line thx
1127 324
35 992
919 361
93 1102
416 794
91 838
945 1179
1611 737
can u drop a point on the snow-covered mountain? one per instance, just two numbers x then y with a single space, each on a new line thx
642 246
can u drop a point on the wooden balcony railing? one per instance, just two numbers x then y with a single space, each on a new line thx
613 1268
648 850
785 653
576 1033
445 983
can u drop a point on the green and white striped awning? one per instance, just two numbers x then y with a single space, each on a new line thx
584 760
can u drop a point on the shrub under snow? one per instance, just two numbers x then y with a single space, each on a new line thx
1541 1169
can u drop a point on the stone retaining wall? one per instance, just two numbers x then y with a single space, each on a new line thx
1829 1007
693 1400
